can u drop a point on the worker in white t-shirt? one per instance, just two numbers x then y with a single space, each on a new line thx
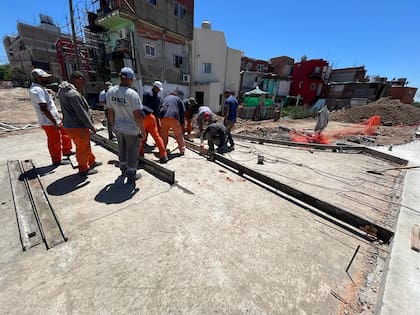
126 117
59 143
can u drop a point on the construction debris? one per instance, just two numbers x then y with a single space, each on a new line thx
392 112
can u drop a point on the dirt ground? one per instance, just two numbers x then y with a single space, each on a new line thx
16 110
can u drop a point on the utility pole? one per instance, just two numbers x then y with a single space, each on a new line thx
73 31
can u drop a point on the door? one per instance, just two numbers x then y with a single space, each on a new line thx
199 96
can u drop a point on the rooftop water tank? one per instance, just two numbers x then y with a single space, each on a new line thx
206 25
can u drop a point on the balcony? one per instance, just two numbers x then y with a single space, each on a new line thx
115 12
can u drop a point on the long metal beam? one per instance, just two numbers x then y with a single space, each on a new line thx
151 167
335 148
344 215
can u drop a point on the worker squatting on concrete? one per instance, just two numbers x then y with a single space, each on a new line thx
231 113
125 112
151 102
77 122
172 116
216 134
205 116
102 105
59 143
190 109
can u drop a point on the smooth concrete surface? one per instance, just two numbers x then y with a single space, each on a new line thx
402 286
212 243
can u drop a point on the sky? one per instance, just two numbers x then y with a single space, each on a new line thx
382 35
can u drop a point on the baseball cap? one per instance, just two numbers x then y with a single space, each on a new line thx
36 73
228 91
107 83
193 100
158 84
127 73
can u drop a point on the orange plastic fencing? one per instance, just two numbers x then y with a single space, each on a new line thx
367 127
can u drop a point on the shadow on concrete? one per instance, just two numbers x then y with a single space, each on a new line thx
41 171
67 184
117 192
174 155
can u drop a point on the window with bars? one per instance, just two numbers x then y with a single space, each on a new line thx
179 10
177 61
206 67
150 50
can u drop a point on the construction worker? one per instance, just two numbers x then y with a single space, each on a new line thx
77 122
59 143
190 109
216 134
151 103
172 114
125 113
231 113
205 115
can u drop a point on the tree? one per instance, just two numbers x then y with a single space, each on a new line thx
6 72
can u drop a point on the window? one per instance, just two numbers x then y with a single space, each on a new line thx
260 67
313 86
150 50
317 69
154 2
177 61
300 84
179 10
206 67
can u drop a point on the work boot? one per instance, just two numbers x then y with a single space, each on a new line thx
90 171
132 177
163 160
96 164
62 162
70 153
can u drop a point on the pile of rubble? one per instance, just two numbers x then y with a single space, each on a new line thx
392 112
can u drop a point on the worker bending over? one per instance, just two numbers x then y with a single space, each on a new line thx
216 134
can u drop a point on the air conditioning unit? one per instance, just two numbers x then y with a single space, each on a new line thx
186 78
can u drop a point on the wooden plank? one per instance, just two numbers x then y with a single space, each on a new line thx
47 219
30 234
415 238
151 167
341 214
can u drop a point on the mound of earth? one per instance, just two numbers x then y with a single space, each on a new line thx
392 112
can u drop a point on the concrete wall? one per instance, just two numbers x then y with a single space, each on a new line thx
233 69
163 15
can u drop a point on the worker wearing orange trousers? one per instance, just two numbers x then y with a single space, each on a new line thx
174 124
150 126
84 155
188 122
58 141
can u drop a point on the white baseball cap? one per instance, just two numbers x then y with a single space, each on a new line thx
158 84
36 73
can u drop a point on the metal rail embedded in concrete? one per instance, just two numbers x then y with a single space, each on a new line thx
343 215
29 232
153 168
336 148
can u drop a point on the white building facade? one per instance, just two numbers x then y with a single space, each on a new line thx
214 67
